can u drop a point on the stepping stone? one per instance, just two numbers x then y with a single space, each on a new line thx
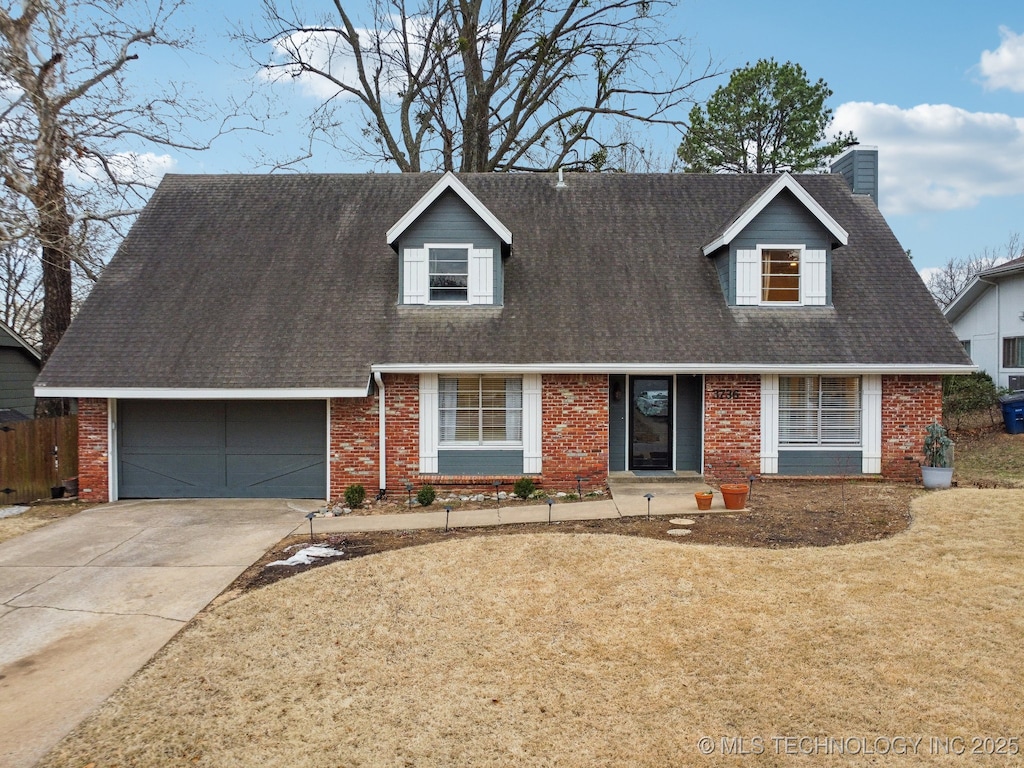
681 521
679 531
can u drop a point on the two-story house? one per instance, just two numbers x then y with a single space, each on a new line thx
290 335
988 318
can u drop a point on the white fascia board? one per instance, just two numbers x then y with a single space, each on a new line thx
965 298
446 182
785 181
670 368
168 393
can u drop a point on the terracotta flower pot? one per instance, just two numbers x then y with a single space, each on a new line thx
703 499
735 495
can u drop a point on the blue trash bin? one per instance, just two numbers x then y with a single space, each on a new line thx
1013 412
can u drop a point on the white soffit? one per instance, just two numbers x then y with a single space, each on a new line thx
446 182
785 181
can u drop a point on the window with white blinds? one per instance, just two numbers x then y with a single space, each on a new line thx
819 411
480 410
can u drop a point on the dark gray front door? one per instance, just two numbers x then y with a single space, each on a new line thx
650 422
222 449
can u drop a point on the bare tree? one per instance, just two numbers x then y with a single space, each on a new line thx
72 132
481 85
956 274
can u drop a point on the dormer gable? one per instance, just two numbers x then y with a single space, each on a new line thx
757 204
450 245
776 250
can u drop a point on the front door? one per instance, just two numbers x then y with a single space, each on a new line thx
650 422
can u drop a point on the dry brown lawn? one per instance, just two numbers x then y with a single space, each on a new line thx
602 650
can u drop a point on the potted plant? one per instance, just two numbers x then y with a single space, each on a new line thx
734 495
937 470
703 499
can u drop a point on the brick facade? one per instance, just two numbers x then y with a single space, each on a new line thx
93 455
909 404
575 434
732 427
354 448
574 411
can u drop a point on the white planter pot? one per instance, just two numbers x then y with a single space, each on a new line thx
937 477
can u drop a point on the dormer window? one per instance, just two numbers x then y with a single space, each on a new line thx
775 275
449 274
780 275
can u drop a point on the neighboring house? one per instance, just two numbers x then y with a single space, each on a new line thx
290 335
19 366
988 318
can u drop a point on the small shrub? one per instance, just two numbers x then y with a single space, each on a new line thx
964 395
524 487
938 448
354 496
426 496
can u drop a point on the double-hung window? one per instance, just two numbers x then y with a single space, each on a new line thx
780 275
449 274
480 410
1013 352
819 411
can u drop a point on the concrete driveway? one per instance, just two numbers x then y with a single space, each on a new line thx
86 601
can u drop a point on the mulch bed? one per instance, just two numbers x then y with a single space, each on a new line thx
780 514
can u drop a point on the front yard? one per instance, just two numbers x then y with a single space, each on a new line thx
604 650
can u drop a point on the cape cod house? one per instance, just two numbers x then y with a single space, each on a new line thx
291 335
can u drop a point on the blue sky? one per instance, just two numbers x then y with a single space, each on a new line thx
937 86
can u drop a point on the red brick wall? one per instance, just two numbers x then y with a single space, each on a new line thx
732 427
403 427
574 410
354 448
909 404
93 452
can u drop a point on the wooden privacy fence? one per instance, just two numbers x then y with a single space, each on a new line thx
36 456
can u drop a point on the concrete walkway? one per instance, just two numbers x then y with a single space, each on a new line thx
627 500
86 601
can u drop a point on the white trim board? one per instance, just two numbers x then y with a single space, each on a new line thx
187 393
785 181
446 182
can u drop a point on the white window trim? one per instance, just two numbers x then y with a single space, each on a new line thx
813 275
430 425
870 426
468 248
760 274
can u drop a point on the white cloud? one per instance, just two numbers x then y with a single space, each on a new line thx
935 157
1004 67
128 167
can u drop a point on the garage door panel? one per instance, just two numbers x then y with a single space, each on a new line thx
218 449
288 428
169 475
157 425
291 476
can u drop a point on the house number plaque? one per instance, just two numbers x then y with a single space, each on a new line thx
725 394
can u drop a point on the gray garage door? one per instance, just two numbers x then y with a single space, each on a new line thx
222 449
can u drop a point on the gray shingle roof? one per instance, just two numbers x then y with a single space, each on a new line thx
287 281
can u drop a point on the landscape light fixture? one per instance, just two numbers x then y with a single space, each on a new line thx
551 503
497 498
579 485
648 496
447 511
751 478
310 517
408 490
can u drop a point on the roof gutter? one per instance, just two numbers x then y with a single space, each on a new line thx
921 369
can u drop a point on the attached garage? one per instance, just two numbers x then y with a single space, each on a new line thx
222 449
